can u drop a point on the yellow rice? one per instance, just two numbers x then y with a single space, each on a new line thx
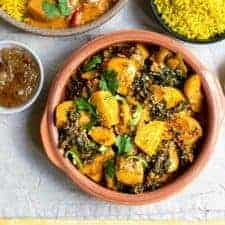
15 8
195 19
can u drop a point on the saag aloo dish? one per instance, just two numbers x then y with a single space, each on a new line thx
56 13
130 117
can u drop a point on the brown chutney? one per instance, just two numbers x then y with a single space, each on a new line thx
19 76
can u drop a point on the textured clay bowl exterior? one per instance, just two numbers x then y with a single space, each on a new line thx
68 31
214 108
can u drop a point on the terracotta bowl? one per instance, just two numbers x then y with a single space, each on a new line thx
68 31
214 109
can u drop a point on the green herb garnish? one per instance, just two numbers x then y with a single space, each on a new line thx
51 9
74 155
64 8
109 81
92 64
123 144
83 104
110 168
136 116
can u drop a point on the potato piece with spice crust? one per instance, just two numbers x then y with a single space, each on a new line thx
94 169
107 107
149 136
140 55
102 136
170 95
186 130
129 171
192 89
62 111
126 70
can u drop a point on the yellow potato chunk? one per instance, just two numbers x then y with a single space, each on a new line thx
35 9
177 63
140 55
84 118
88 75
162 54
126 70
62 111
149 136
125 117
94 169
173 158
107 107
103 136
187 129
172 97
129 171
158 93
192 90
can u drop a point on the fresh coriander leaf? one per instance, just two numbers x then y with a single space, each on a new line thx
74 155
139 158
64 8
51 10
103 85
123 144
109 81
136 116
110 168
83 104
92 64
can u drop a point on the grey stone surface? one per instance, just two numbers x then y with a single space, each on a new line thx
30 186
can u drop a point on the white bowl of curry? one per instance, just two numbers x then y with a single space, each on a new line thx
59 17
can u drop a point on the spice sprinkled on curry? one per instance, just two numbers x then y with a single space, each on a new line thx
56 14
129 120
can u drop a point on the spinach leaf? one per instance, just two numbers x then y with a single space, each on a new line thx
74 155
109 81
51 10
123 144
110 169
92 64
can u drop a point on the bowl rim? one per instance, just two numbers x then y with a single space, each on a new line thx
5 110
66 31
49 131
169 30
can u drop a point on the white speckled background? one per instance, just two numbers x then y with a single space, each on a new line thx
31 187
